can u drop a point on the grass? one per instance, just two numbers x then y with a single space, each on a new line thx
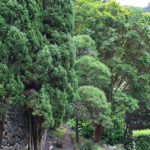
59 133
82 140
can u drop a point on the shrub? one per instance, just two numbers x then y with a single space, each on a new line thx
85 127
142 139
72 123
59 133
114 134
89 145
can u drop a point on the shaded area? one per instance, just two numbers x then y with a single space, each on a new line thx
67 143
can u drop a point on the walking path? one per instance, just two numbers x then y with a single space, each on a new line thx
67 142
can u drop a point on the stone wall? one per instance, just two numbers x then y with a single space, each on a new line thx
15 134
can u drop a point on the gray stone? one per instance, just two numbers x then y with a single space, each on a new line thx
58 143
16 132
4 142
5 148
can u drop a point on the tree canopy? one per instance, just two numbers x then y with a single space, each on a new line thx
101 64
121 36
37 57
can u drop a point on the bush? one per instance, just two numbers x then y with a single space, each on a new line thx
142 139
114 134
59 133
89 145
72 124
85 128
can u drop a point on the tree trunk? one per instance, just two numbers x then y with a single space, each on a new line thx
77 130
2 119
35 132
30 142
38 131
98 130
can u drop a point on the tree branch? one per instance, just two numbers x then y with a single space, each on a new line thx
116 112
121 81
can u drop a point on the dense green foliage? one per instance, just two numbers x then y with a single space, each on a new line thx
93 77
92 72
85 46
85 128
58 28
103 70
114 134
96 103
142 139
89 145
121 36
37 57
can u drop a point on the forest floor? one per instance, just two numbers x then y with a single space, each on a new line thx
63 135
68 140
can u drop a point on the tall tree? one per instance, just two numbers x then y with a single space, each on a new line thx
37 61
121 37
58 26
95 102
91 72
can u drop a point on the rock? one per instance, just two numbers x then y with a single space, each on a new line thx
11 148
17 146
5 148
58 143
15 132
4 142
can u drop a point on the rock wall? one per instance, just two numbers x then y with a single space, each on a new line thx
15 134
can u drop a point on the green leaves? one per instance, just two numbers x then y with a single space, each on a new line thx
122 40
85 46
96 103
39 102
44 60
37 57
123 102
92 72
17 45
141 138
